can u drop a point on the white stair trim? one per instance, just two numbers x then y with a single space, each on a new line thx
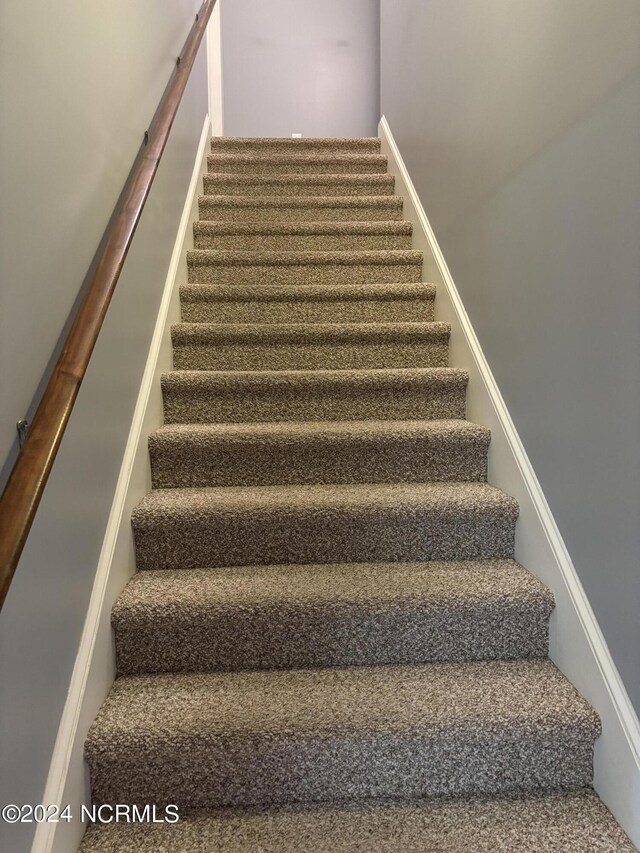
577 645
93 672
214 72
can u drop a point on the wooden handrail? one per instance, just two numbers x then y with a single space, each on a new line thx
30 473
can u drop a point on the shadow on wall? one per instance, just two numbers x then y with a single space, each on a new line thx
494 85
570 122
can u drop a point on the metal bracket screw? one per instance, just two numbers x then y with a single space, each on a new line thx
23 428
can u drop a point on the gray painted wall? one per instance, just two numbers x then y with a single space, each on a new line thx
80 87
79 83
300 66
520 126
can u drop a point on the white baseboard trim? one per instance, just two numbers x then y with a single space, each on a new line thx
578 647
214 72
93 672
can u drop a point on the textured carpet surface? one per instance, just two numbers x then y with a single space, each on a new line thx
324 146
292 209
300 346
328 644
238 525
303 236
297 163
244 738
192 396
553 823
286 617
298 185
266 454
366 267
313 303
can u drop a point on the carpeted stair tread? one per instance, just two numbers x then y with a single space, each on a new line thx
303 236
289 209
374 267
193 455
372 522
300 346
307 228
313 303
284 145
184 333
383 292
198 396
257 162
557 822
290 617
382 257
298 185
244 738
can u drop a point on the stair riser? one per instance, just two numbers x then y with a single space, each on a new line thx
172 640
263 537
310 355
321 311
255 165
213 210
304 273
234 186
297 147
207 771
302 242
291 402
192 463
555 823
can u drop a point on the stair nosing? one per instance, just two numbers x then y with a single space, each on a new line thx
302 201
577 820
447 497
579 712
297 158
185 334
359 257
320 428
388 374
300 178
392 227
245 583
283 292
328 141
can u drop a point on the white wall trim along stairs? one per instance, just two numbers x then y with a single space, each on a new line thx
214 72
577 645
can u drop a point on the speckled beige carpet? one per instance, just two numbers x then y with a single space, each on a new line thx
329 645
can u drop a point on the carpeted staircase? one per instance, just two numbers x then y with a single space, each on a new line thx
329 645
